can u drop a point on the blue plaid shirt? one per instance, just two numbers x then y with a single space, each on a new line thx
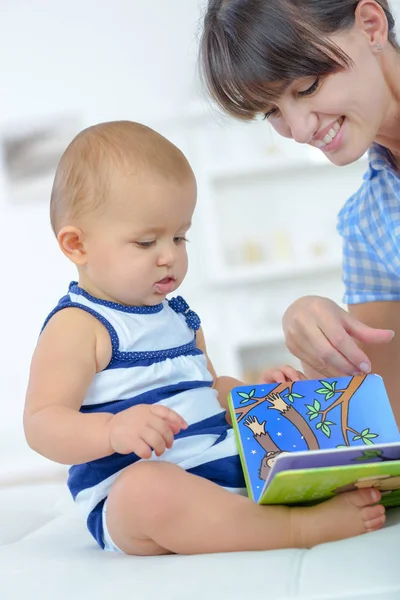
370 225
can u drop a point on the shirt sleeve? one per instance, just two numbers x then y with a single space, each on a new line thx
368 224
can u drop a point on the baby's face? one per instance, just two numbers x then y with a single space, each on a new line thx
136 249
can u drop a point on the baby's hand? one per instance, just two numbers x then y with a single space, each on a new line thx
281 374
144 427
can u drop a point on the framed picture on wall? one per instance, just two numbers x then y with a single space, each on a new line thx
30 153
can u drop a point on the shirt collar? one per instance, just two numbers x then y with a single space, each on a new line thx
379 160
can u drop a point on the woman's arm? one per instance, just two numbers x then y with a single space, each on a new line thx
385 358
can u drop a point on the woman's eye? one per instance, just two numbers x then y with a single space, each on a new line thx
270 113
313 88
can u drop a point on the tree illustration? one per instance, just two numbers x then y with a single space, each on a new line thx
341 398
343 401
276 402
282 398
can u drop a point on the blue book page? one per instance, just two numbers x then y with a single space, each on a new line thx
272 419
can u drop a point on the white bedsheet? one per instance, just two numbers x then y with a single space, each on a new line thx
46 553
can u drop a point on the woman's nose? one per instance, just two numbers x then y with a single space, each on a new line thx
302 131
301 123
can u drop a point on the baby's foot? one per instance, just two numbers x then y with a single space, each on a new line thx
343 516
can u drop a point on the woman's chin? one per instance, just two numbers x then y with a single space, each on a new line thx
342 159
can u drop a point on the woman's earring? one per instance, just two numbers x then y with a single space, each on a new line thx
379 47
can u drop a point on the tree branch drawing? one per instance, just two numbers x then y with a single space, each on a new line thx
242 412
266 442
343 400
288 411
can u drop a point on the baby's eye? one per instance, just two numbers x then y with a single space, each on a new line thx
146 244
179 239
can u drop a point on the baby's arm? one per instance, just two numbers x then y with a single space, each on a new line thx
223 384
73 347
63 365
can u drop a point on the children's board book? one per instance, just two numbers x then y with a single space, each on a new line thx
305 441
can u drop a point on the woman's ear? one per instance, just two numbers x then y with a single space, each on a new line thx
71 241
371 19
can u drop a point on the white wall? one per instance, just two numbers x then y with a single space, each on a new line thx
99 60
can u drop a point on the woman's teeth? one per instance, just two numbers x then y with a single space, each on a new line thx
327 139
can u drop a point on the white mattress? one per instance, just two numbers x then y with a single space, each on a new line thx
46 553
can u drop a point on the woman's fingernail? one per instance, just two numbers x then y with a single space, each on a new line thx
365 367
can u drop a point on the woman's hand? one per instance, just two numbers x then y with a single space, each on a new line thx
324 337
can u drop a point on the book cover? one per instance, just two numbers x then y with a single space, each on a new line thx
293 436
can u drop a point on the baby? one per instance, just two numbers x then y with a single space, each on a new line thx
121 385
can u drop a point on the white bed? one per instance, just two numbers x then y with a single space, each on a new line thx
46 553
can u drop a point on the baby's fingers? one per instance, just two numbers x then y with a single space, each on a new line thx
278 375
142 449
292 374
169 415
163 428
155 440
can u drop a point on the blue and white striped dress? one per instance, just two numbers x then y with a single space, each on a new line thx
154 361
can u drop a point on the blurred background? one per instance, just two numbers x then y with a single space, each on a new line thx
264 231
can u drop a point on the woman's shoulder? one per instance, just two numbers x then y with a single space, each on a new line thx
378 193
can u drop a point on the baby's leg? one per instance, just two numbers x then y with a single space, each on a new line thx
158 508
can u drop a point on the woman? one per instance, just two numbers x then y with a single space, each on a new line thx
327 73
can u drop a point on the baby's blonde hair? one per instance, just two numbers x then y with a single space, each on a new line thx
92 159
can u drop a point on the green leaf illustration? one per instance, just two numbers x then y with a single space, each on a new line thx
329 423
317 405
325 430
244 395
319 425
368 442
312 413
323 391
297 395
290 398
342 446
251 394
328 385
329 395
356 437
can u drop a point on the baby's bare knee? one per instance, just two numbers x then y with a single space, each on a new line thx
148 489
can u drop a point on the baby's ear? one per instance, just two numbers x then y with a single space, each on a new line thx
71 241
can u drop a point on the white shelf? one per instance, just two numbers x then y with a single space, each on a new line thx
251 274
271 166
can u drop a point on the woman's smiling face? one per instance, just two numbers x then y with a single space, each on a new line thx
341 113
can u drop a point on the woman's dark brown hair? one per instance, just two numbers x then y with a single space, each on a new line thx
251 49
